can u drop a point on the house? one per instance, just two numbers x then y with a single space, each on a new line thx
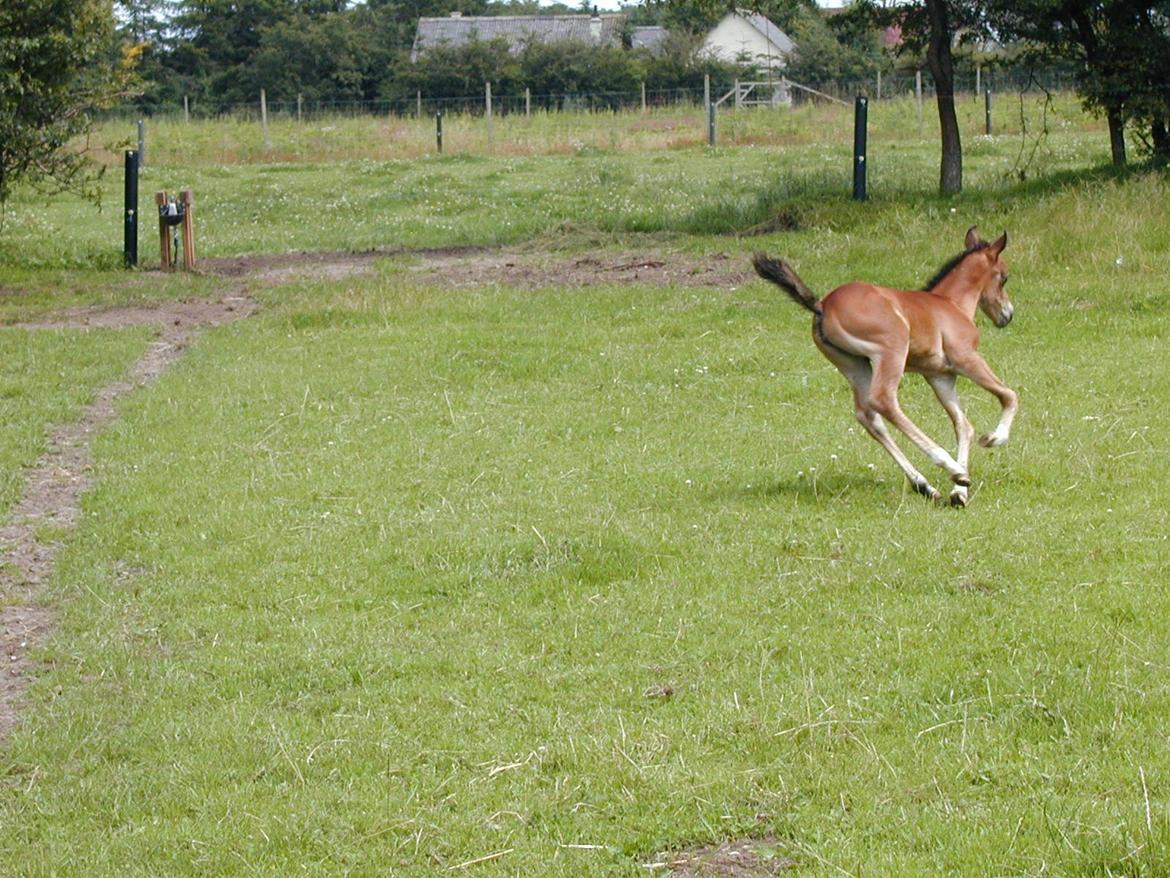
748 35
518 30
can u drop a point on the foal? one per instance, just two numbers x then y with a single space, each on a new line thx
875 334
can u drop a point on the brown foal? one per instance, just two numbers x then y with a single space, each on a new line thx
875 334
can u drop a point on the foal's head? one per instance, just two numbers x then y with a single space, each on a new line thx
993 298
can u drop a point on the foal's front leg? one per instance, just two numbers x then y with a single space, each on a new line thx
975 367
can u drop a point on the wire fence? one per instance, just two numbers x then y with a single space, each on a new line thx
524 101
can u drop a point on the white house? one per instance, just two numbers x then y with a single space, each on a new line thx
748 35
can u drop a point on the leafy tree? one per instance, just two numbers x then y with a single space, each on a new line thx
1121 49
56 67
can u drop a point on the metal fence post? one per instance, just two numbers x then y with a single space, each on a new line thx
439 131
987 110
141 144
860 113
711 123
130 217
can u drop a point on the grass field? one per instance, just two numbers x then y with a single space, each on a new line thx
395 579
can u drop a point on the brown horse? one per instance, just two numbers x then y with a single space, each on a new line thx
875 334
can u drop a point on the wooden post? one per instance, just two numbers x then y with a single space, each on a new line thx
488 105
141 144
418 103
979 80
527 102
300 107
706 89
738 100
187 200
879 85
166 258
264 118
643 96
186 109
918 97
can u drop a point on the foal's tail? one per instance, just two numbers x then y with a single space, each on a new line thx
779 272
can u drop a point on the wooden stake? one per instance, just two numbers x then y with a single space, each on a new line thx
164 234
187 199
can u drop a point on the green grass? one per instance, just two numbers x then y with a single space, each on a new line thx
45 379
400 580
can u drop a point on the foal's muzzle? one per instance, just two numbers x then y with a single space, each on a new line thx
1005 316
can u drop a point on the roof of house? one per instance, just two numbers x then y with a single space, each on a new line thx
764 25
518 30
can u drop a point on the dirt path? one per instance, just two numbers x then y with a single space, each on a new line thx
55 483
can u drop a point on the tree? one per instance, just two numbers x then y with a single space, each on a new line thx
1121 49
57 65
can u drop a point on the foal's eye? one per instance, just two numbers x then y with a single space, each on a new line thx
1003 279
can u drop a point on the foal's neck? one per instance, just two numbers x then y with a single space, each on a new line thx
963 286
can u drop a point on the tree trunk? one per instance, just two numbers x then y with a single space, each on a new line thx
1116 135
938 59
1160 137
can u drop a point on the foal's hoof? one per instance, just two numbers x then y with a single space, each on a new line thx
927 490
992 440
959 497
962 480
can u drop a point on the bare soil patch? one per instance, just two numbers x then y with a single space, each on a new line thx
739 858
461 267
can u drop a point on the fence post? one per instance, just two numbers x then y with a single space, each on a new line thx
187 199
738 102
300 107
418 103
186 110
141 144
706 89
918 97
166 257
710 123
527 102
488 105
643 96
264 119
979 80
439 131
987 110
130 218
879 85
859 123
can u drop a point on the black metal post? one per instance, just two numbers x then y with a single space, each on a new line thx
860 112
711 123
130 220
987 110
439 130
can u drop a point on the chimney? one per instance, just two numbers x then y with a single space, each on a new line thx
595 27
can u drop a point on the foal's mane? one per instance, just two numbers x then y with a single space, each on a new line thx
951 264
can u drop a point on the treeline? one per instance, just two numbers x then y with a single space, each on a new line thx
217 53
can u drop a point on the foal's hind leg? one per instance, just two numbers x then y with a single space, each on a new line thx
944 389
883 398
859 374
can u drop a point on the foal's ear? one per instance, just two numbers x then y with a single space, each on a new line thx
973 239
998 244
